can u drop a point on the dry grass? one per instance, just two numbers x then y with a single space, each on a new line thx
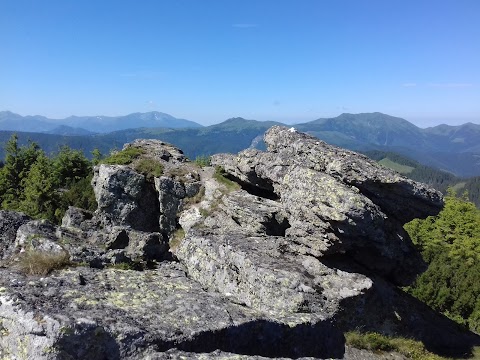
34 262
220 176
376 342
176 238
150 168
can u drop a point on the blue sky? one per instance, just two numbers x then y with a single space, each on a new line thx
209 60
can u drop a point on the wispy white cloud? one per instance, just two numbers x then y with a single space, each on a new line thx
410 84
244 26
450 85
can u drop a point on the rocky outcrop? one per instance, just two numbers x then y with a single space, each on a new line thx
10 221
337 201
125 198
305 244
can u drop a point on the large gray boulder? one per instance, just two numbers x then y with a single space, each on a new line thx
125 198
145 202
337 201
10 221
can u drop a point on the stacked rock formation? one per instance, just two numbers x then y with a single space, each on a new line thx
271 254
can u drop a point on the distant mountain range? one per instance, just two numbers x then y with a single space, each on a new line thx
450 148
455 149
88 125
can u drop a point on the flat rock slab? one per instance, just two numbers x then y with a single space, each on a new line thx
84 313
256 272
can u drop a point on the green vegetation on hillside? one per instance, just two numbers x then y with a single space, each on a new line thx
402 169
450 244
438 179
221 176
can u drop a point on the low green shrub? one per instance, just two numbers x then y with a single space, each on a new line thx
176 238
123 157
202 160
220 176
150 168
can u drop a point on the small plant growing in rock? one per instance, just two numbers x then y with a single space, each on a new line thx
35 262
179 172
196 198
176 238
150 168
220 176
203 160
123 157
122 266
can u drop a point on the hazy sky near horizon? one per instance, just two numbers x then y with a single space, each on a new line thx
209 60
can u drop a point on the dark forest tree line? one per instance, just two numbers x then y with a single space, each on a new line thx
42 186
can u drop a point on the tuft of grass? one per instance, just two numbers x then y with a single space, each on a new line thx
34 262
204 212
176 238
150 168
377 342
202 160
220 176
123 157
475 353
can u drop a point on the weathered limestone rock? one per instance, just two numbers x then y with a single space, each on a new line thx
399 197
125 198
38 235
170 195
75 217
255 272
128 198
159 150
337 201
10 221
137 245
113 314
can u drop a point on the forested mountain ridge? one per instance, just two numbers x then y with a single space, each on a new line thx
454 149
451 148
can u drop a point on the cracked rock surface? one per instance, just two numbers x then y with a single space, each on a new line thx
275 256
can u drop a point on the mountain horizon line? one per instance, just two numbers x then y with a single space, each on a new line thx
166 120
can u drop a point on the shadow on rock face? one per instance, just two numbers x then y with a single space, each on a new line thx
270 339
390 311
89 343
